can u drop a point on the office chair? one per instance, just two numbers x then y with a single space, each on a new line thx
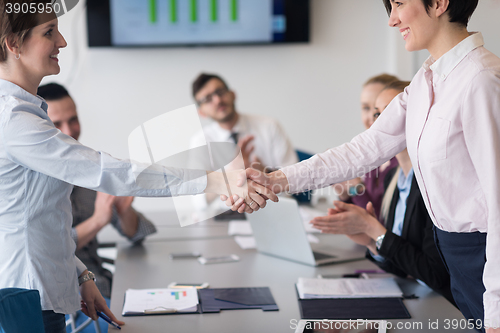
20 311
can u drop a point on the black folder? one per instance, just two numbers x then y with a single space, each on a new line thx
215 300
353 308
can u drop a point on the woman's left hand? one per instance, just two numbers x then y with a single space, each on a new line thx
92 300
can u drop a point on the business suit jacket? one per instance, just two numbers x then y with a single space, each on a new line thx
413 253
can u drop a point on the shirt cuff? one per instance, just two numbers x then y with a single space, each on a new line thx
80 266
74 235
376 257
298 177
196 183
144 228
491 311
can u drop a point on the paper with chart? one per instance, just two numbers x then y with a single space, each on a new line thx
151 301
347 288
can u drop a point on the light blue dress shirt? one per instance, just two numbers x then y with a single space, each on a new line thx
37 165
404 187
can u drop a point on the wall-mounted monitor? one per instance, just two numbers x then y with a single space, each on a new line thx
146 23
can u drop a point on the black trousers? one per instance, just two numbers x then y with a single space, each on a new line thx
464 255
53 322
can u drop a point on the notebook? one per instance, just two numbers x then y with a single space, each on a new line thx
347 288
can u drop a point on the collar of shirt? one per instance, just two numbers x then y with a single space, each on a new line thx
240 127
404 182
12 89
445 65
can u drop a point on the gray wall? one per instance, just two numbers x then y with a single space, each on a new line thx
313 89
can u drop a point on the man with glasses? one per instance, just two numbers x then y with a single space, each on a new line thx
263 142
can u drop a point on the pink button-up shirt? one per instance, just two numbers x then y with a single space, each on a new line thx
449 119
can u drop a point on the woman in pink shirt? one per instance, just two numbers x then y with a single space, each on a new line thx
449 120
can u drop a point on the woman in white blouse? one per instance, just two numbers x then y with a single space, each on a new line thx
449 120
37 165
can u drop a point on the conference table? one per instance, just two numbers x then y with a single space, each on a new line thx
149 266
168 228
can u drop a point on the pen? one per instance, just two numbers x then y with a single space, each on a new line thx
112 323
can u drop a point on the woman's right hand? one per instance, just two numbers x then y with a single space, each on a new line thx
254 198
247 195
266 184
92 300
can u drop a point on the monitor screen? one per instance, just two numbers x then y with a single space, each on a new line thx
130 23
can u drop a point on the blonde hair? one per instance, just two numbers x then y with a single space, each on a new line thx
384 79
388 194
397 85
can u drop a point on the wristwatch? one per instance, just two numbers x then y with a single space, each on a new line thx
379 241
86 277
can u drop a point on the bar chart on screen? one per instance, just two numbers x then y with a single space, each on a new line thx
191 21
193 12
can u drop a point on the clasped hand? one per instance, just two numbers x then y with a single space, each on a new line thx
245 194
261 187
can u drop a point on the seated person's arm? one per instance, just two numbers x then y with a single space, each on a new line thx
422 263
129 222
84 232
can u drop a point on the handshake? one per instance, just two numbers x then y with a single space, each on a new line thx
247 190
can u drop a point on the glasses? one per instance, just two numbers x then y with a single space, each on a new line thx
208 99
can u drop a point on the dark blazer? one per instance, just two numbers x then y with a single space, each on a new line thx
413 253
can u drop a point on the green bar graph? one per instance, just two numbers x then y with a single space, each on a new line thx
213 10
152 11
194 11
173 11
234 10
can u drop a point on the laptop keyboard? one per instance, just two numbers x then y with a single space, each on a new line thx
321 256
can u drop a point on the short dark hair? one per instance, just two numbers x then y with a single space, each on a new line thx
52 92
203 79
460 11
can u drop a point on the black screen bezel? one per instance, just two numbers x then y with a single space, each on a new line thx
297 13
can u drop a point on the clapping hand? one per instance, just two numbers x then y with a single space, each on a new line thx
103 209
123 204
346 219
359 224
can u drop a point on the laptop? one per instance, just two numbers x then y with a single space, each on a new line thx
279 231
